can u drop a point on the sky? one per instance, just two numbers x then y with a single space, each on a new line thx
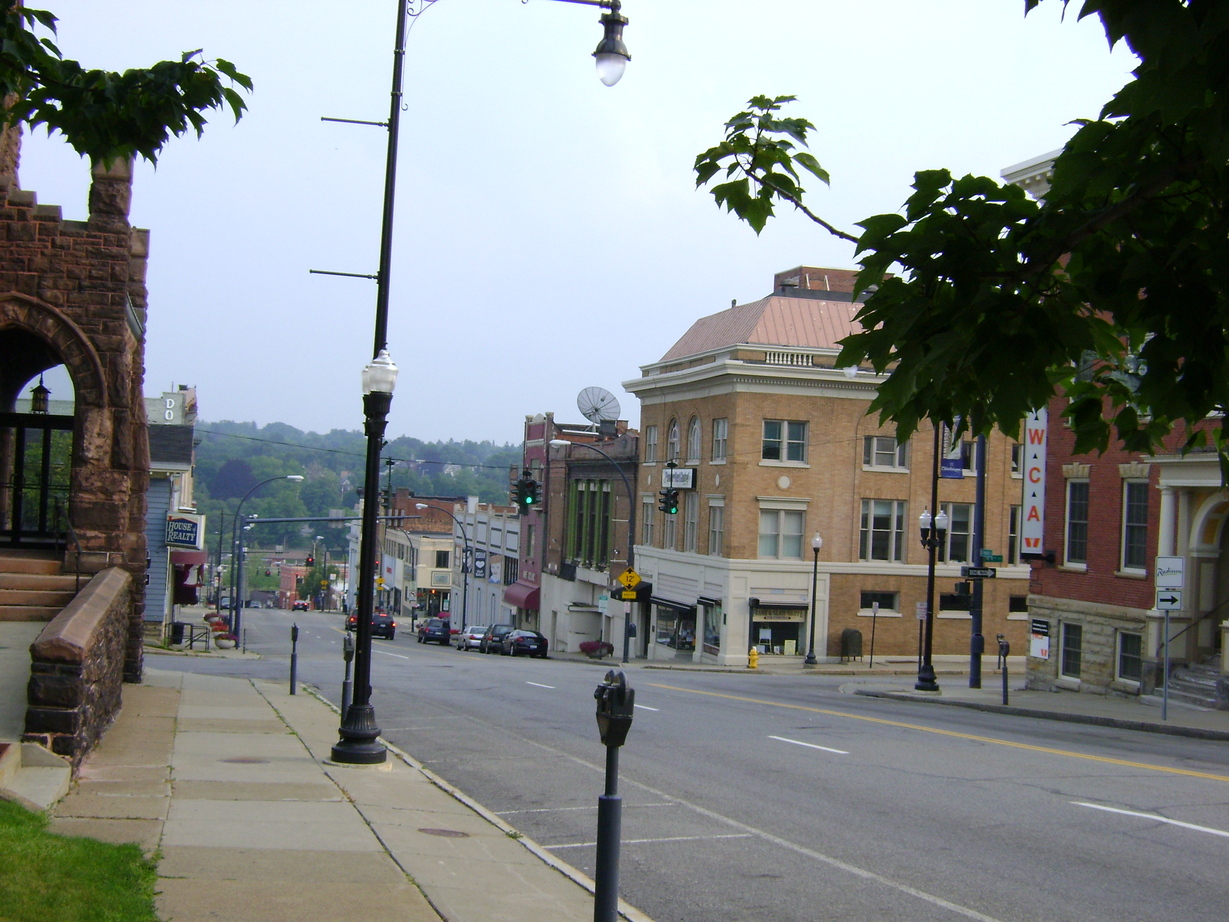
548 235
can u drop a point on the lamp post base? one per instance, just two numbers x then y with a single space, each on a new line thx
810 659
360 738
926 679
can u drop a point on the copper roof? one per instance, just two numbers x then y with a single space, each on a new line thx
777 320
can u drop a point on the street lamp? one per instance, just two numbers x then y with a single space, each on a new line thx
933 533
237 558
467 555
631 529
816 543
359 742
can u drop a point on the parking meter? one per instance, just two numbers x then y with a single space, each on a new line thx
347 647
1004 646
615 703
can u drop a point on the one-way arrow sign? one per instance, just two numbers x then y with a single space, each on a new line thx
1168 600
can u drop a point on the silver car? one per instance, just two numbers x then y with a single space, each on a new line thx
470 637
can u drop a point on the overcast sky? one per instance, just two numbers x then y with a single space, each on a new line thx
548 235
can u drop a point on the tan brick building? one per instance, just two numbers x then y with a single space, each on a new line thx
773 445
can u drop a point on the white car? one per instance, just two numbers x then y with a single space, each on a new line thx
469 638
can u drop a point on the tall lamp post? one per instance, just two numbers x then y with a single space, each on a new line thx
359 742
237 552
467 555
816 543
933 532
631 529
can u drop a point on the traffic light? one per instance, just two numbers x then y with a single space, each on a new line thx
311 561
669 503
528 493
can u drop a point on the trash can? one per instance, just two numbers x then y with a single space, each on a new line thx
851 643
177 632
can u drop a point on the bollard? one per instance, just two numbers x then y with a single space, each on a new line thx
347 686
615 701
753 658
294 655
1004 684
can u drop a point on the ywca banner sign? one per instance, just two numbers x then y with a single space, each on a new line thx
1032 528
185 530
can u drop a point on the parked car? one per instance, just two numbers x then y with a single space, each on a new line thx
382 624
435 630
515 643
491 639
299 605
470 637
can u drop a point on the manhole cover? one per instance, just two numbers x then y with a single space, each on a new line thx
446 833
246 760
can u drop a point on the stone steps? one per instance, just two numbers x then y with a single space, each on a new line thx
1199 685
33 586
32 776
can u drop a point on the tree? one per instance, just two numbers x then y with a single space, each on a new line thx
1113 291
104 115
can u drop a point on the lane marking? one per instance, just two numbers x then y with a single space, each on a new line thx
386 653
539 685
645 707
839 752
570 809
955 734
1154 818
738 835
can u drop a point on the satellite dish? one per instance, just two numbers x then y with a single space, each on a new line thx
597 404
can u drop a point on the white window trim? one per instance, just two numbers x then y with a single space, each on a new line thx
1123 569
1079 566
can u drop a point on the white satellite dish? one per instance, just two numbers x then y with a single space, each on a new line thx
597 404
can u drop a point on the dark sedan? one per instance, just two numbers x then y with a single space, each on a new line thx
382 624
491 639
528 643
435 630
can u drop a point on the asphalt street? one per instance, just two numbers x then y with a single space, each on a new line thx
783 798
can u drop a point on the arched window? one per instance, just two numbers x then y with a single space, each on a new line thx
672 441
693 441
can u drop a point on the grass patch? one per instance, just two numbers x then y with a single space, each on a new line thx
69 879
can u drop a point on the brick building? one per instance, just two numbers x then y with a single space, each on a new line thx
773 445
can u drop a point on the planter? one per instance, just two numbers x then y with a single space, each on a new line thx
223 643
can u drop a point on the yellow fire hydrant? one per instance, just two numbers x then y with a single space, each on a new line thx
753 658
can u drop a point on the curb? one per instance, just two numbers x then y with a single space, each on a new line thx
1115 722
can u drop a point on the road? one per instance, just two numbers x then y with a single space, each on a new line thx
780 798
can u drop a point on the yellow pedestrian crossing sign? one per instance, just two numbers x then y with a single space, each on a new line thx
630 578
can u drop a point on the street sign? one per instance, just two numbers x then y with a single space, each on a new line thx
1169 572
978 572
630 578
628 595
986 553
1168 600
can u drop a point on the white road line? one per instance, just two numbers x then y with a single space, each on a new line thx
539 685
567 809
1154 818
386 653
739 835
645 707
839 752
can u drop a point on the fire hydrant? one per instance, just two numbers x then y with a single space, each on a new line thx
753 658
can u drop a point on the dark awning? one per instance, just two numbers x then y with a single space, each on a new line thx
777 603
670 603
523 595
189 575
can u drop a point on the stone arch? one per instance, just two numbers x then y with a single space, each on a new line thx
23 318
1208 523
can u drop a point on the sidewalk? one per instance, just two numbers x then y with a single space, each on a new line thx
228 780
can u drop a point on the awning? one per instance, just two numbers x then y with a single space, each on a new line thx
523 595
670 603
778 603
189 569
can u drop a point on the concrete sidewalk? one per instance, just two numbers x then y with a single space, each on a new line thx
229 780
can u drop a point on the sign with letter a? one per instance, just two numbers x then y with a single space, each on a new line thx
1032 528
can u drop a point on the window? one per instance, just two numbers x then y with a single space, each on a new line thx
883 451
883 529
784 440
968 456
1017 459
693 441
716 528
954 601
1130 656
672 441
650 444
721 434
647 508
1077 522
441 560
588 536
1017 603
959 532
1134 524
512 569
781 533
669 532
887 601
1073 640
1013 535
691 521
